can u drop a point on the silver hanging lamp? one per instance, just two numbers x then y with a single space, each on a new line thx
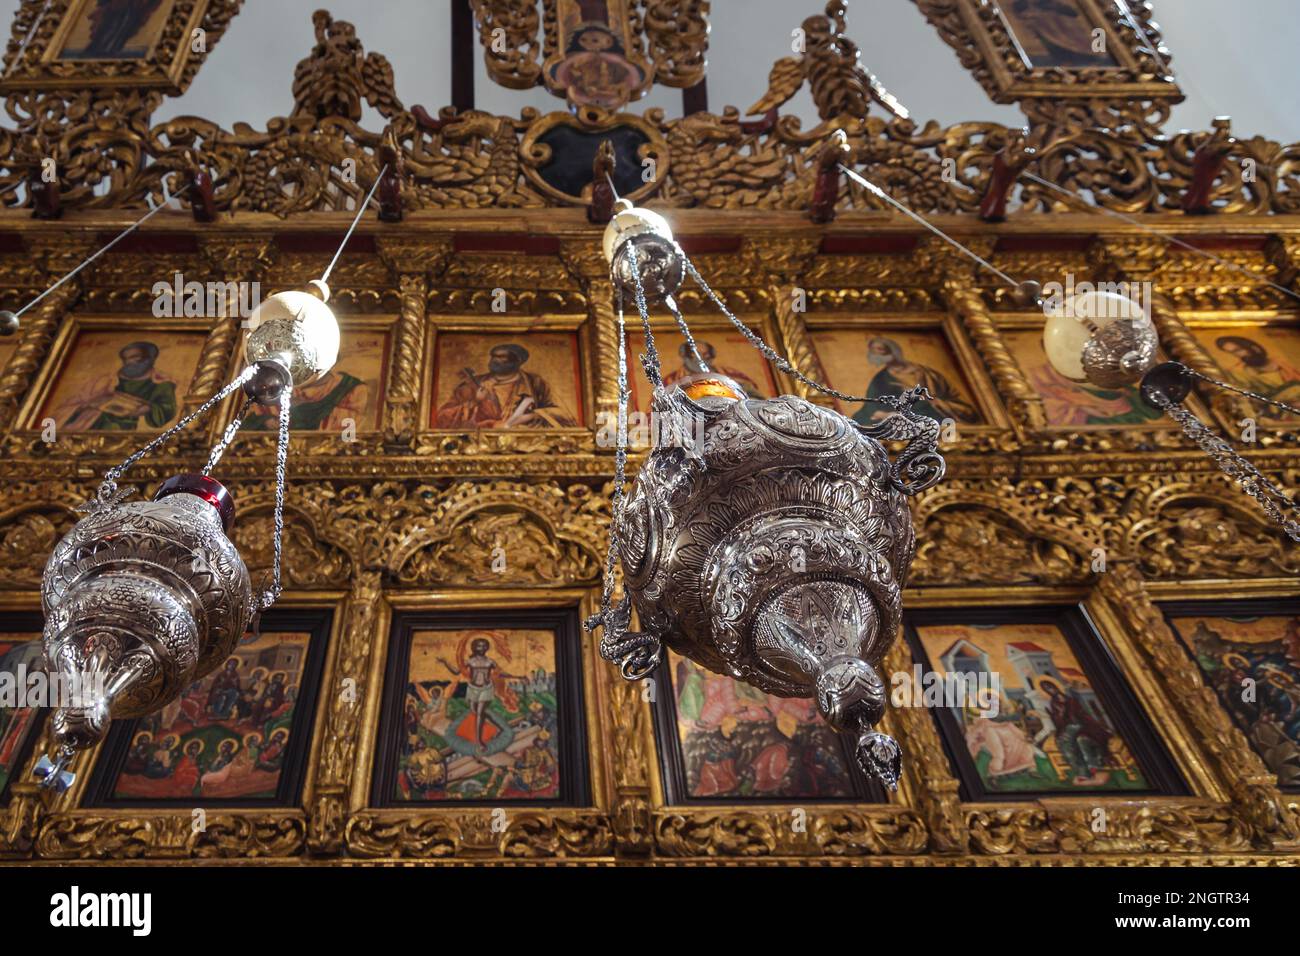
768 540
142 598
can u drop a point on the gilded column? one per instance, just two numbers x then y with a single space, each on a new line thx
962 296
37 333
588 267
928 785
1256 800
632 753
798 346
20 821
778 265
965 300
234 261
412 263
328 807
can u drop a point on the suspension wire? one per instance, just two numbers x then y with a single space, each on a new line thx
877 191
109 485
361 209
1161 233
227 437
281 471
612 187
95 255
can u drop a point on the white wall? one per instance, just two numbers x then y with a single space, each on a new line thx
1232 56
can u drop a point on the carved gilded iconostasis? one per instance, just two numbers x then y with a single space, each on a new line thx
1081 546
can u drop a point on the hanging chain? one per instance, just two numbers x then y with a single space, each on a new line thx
108 487
1272 499
620 458
896 402
281 468
227 437
671 303
649 361
1262 399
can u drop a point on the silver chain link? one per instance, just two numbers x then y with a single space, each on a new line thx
227 437
1273 500
108 486
892 401
281 469
671 303
1262 399
650 360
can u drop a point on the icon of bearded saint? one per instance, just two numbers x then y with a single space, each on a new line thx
506 396
122 400
1251 366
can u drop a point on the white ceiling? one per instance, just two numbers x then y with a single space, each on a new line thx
1231 57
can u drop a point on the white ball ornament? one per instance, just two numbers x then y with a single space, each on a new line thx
298 330
659 264
1099 337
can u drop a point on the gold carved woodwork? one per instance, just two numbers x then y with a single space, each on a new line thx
412 264
472 160
1264 816
829 64
928 783
411 517
32 59
677 37
335 78
509 31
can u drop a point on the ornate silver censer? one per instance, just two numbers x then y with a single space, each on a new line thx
768 540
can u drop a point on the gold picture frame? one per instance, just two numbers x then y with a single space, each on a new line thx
501 331
69 830
47 385
1053 54
422 830
67 47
